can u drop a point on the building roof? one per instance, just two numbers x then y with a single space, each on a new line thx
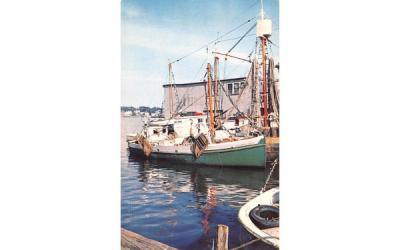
203 82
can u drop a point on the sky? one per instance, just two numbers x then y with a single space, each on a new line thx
154 32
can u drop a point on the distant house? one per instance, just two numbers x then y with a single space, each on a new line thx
189 98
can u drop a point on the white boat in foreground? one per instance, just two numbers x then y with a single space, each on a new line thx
269 235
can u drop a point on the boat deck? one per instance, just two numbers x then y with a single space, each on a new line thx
274 232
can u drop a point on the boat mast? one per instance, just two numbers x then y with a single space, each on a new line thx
216 62
210 101
171 99
256 94
264 77
264 30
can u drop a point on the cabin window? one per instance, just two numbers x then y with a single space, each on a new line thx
242 85
233 88
236 88
230 89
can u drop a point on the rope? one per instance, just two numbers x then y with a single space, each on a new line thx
269 176
245 244
253 241
240 95
273 92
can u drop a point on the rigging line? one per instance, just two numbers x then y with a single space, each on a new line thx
188 106
238 99
234 38
273 43
233 70
255 2
204 46
201 67
188 89
270 49
241 38
227 33
234 105
225 61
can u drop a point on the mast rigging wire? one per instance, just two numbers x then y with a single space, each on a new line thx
241 38
201 67
273 43
204 46
234 38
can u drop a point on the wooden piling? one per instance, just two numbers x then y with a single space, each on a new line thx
223 233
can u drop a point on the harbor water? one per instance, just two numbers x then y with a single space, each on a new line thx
182 205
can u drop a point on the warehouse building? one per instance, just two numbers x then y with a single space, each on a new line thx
190 98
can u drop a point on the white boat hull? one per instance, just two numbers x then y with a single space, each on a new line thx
266 198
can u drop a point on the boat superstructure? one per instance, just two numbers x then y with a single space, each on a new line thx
176 139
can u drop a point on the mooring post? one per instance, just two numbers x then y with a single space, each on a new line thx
223 232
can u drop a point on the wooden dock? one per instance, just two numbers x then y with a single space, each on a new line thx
272 140
272 148
134 241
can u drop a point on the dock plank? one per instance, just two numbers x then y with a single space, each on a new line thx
133 241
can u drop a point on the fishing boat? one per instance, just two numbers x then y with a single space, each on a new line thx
199 140
246 152
212 139
189 140
260 217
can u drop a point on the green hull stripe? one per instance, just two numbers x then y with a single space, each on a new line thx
253 156
247 156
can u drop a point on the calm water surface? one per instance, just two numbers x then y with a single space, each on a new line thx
182 205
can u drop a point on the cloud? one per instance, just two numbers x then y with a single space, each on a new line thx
174 44
168 41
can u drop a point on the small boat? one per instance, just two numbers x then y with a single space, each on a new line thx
260 217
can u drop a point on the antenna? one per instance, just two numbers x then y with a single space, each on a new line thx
262 10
